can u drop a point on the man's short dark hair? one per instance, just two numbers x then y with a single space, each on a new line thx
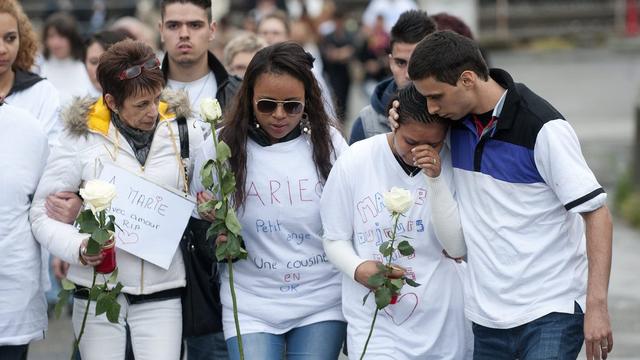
204 4
413 107
411 27
445 55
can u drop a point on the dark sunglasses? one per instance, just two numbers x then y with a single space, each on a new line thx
136 70
267 106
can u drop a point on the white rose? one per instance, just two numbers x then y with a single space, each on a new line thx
98 194
210 109
397 200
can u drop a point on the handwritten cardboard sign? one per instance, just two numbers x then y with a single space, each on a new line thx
150 218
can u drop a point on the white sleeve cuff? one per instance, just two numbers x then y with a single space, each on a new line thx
342 255
445 217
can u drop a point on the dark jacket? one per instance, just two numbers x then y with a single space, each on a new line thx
372 119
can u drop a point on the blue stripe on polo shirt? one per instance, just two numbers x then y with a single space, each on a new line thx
501 160
511 163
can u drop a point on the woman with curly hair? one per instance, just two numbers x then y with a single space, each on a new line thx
18 85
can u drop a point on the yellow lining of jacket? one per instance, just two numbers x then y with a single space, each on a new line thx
99 116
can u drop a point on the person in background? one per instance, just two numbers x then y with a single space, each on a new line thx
338 49
239 51
374 55
63 55
445 21
97 44
288 293
18 85
412 26
275 28
186 30
137 30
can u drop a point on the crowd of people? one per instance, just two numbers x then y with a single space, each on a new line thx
511 230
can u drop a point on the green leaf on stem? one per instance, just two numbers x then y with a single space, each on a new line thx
221 212
223 152
103 303
93 247
100 236
243 253
111 225
221 251
405 248
67 285
385 248
87 222
233 245
383 297
212 233
94 292
396 284
410 282
113 277
376 280
63 300
113 312
228 183
383 268
207 206
232 222
116 290
206 174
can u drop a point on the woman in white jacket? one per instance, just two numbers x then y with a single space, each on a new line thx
130 127
23 153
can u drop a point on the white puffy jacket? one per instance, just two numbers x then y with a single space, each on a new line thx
90 141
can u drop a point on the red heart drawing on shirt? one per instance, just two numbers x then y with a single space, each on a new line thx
127 237
402 310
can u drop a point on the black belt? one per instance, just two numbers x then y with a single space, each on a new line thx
82 292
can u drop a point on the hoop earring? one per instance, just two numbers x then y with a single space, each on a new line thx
305 125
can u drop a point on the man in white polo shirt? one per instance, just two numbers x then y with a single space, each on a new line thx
526 197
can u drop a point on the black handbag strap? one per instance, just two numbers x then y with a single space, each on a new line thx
183 133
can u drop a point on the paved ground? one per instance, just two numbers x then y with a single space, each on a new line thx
596 91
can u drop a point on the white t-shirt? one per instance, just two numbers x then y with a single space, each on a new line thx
205 87
287 281
428 321
23 154
68 76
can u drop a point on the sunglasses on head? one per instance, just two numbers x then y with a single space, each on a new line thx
136 70
267 106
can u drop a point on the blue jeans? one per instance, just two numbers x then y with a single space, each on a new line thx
319 341
553 336
207 347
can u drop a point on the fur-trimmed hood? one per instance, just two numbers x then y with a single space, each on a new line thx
89 114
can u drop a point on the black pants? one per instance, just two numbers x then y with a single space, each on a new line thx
14 352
